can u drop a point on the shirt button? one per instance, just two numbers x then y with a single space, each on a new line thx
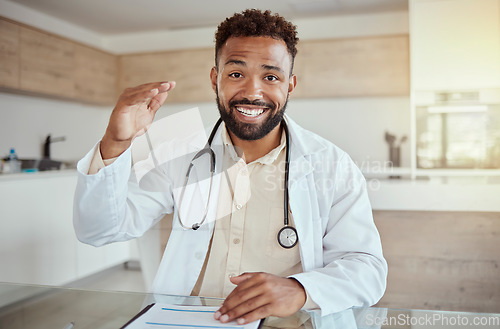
238 206
231 275
236 241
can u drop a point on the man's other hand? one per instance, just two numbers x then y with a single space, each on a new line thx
259 295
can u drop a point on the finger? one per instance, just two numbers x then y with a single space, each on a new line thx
242 277
164 85
156 102
155 97
167 86
259 313
147 87
241 296
249 281
138 97
246 308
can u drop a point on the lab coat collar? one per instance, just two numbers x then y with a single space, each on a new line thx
300 153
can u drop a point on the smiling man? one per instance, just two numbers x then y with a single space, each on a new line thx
284 240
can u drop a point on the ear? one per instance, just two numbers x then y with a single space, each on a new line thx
292 83
213 78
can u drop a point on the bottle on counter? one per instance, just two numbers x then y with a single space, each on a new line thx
12 165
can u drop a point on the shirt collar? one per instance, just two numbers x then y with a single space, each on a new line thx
267 159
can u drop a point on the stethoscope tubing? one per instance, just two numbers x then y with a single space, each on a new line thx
208 149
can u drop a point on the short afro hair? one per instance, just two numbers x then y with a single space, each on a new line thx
256 23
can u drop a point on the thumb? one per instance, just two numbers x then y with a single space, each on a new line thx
240 278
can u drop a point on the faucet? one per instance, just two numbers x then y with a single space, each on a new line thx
46 145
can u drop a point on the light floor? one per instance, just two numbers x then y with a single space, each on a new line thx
119 278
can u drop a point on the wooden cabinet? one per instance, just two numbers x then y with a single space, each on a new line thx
190 69
359 67
47 64
39 63
9 58
95 75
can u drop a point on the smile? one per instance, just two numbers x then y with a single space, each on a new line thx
250 112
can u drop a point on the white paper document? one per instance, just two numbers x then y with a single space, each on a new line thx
183 317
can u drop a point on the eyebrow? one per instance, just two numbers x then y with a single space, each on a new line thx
264 66
273 68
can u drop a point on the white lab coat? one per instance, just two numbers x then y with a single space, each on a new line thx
340 247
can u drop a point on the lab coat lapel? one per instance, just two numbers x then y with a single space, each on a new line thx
300 189
300 206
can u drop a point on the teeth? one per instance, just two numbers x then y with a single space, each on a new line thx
250 112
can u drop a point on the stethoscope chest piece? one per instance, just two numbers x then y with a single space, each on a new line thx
287 237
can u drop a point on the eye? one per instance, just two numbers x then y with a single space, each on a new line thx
271 78
235 75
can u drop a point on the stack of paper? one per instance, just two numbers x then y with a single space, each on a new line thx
182 317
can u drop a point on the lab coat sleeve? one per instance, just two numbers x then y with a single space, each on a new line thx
110 206
354 270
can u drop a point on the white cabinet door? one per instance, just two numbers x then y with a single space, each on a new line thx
38 244
455 44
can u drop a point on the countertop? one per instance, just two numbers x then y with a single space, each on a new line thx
431 194
38 175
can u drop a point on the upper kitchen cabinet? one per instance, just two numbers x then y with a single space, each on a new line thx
190 69
9 55
47 64
95 75
43 64
353 67
350 67
455 44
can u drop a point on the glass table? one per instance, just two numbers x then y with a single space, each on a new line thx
42 307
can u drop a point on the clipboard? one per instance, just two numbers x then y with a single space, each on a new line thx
159 315
144 310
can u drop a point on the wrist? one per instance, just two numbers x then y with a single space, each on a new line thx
302 295
111 148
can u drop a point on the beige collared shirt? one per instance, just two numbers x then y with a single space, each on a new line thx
249 217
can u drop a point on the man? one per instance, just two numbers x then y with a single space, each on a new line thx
338 260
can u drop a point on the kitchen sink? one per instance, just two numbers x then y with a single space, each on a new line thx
40 164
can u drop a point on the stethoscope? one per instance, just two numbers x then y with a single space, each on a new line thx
287 235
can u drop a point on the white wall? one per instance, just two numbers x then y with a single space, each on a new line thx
26 121
355 124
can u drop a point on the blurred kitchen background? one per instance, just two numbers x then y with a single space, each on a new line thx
410 89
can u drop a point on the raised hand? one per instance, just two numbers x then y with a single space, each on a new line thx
133 114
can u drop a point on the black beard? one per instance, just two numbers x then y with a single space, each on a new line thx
249 131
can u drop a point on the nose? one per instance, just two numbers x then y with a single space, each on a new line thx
253 89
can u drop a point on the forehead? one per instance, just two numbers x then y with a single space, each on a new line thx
261 50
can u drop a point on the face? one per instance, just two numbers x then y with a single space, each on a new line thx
252 83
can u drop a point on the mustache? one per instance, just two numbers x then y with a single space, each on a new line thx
246 101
